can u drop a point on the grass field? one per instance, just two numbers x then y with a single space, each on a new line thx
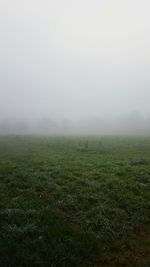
74 201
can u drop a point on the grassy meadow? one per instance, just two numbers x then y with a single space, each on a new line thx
74 201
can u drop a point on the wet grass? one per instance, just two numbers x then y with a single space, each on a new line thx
74 201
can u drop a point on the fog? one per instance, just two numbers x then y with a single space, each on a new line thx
75 66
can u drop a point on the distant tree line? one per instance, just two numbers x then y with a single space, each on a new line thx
132 123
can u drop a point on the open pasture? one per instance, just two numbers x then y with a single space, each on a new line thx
74 201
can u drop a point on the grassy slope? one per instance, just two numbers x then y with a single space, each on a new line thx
74 201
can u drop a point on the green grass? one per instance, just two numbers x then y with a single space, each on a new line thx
74 201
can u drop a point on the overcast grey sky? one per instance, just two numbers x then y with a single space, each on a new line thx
70 59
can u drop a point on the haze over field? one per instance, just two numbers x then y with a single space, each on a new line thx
74 66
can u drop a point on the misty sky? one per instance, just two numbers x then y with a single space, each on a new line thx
72 59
